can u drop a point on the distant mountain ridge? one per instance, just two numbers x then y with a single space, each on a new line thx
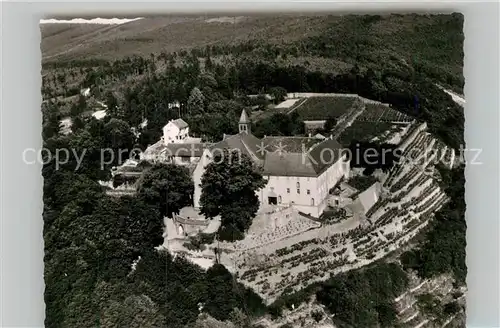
60 41
98 20
430 43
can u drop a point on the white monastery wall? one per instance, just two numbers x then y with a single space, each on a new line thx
298 190
306 194
271 220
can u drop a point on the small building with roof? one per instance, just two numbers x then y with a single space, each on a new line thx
175 131
175 146
184 153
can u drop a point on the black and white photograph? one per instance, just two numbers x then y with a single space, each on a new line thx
254 170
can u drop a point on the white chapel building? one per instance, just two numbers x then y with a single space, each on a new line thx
175 146
300 171
175 131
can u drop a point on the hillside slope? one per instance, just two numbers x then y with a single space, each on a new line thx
432 44
165 34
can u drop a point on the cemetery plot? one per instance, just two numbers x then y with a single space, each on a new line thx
321 108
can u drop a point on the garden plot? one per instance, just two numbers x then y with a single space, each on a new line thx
287 103
297 266
383 113
322 108
392 136
397 137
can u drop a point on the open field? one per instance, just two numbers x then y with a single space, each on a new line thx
321 108
271 110
289 103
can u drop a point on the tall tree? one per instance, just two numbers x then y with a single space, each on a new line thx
168 186
196 102
134 312
112 103
120 138
329 124
51 123
229 187
279 94
79 107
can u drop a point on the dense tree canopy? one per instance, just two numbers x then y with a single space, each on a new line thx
279 124
278 93
444 248
167 186
196 102
229 187
91 239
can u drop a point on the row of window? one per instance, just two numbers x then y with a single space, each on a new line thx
280 201
298 191
288 178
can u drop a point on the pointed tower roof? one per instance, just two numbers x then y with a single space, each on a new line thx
244 117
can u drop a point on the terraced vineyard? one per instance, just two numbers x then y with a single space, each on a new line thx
383 113
321 108
360 130
411 195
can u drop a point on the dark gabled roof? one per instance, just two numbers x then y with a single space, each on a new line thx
289 144
185 149
288 164
299 156
244 142
325 154
302 156
180 123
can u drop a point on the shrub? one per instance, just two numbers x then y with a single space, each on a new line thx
317 315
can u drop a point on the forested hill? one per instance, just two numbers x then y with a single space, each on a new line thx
429 43
393 58
209 66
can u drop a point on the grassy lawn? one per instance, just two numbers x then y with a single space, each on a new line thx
320 108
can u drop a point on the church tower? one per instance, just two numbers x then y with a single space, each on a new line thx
244 123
